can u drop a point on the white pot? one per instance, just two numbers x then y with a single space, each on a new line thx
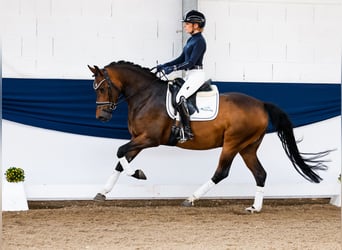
13 196
336 200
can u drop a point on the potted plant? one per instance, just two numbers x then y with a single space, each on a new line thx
13 193
14 174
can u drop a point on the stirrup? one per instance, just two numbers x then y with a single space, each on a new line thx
188 133
185 136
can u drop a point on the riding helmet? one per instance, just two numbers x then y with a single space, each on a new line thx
194 16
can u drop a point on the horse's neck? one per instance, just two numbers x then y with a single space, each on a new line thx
146 91
139 86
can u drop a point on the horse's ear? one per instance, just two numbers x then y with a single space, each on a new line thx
92 69
96 70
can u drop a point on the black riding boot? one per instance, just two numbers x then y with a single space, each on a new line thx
185 118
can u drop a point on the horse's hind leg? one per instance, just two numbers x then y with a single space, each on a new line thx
221 172
250 158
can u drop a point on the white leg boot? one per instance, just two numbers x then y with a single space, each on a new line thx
258 200
113 178
199 193
125 165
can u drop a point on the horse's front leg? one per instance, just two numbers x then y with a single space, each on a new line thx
124 163
126 153
113 178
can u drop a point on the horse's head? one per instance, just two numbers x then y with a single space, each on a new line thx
107 93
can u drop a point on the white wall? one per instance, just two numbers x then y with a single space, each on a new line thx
273 41
58 38
258 40
66 166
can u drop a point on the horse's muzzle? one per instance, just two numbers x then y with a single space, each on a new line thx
104 115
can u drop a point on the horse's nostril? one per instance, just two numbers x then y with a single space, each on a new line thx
103 115
102 118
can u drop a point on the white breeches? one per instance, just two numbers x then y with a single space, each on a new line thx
193 81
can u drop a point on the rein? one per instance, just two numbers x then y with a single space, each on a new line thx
113 105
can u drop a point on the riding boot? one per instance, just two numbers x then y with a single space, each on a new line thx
185 118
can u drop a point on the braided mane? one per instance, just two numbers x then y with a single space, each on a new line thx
132 65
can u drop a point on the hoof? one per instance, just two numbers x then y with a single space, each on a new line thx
187 203
252 209
99 197
139 174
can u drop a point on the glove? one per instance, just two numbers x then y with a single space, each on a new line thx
167 70
159 67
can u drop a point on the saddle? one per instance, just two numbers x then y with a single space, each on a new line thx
202 105
176 86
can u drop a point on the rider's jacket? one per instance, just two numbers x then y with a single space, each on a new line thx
192 55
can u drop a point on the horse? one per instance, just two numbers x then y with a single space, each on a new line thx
239 128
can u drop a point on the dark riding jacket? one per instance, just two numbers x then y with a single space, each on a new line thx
192 54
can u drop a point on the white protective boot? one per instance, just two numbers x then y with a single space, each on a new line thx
258 200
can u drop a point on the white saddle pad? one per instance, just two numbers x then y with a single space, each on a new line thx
207 103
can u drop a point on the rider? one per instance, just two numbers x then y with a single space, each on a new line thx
191 61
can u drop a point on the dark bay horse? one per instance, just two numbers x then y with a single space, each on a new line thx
239 128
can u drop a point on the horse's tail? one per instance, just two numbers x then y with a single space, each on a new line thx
304 166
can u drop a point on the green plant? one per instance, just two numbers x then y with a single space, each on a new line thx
14 174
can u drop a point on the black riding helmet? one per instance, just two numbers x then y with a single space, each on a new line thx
194 16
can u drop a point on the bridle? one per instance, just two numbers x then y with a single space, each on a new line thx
112 105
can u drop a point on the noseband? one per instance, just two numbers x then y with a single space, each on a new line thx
110 103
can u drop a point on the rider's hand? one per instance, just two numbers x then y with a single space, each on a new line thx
168 70
159 67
